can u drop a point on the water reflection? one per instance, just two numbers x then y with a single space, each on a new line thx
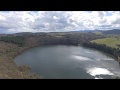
81 58
108 59
96 71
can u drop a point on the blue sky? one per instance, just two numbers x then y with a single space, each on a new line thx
108 14
53 21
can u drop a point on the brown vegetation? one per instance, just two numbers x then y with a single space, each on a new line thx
8 69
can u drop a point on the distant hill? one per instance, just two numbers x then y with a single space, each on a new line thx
114 31
106 32
83 31
23 33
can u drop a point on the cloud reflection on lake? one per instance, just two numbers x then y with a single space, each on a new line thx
81 58
94 71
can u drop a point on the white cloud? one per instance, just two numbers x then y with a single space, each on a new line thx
35 21
2 18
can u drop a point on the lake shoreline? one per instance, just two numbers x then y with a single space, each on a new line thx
115 77
10 70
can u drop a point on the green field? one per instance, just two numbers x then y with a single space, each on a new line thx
111 42
98 33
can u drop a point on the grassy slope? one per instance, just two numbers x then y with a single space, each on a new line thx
8 68
98 32
108 41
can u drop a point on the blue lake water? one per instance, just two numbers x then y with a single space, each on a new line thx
69 62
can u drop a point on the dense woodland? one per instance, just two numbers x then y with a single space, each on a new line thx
67 39
20 40
50 38
102 47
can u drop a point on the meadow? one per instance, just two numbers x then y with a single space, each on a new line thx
109 41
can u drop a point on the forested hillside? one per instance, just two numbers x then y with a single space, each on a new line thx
20 40
40 39
53 39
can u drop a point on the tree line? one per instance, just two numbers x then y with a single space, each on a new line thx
51 38
102 47
20 40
